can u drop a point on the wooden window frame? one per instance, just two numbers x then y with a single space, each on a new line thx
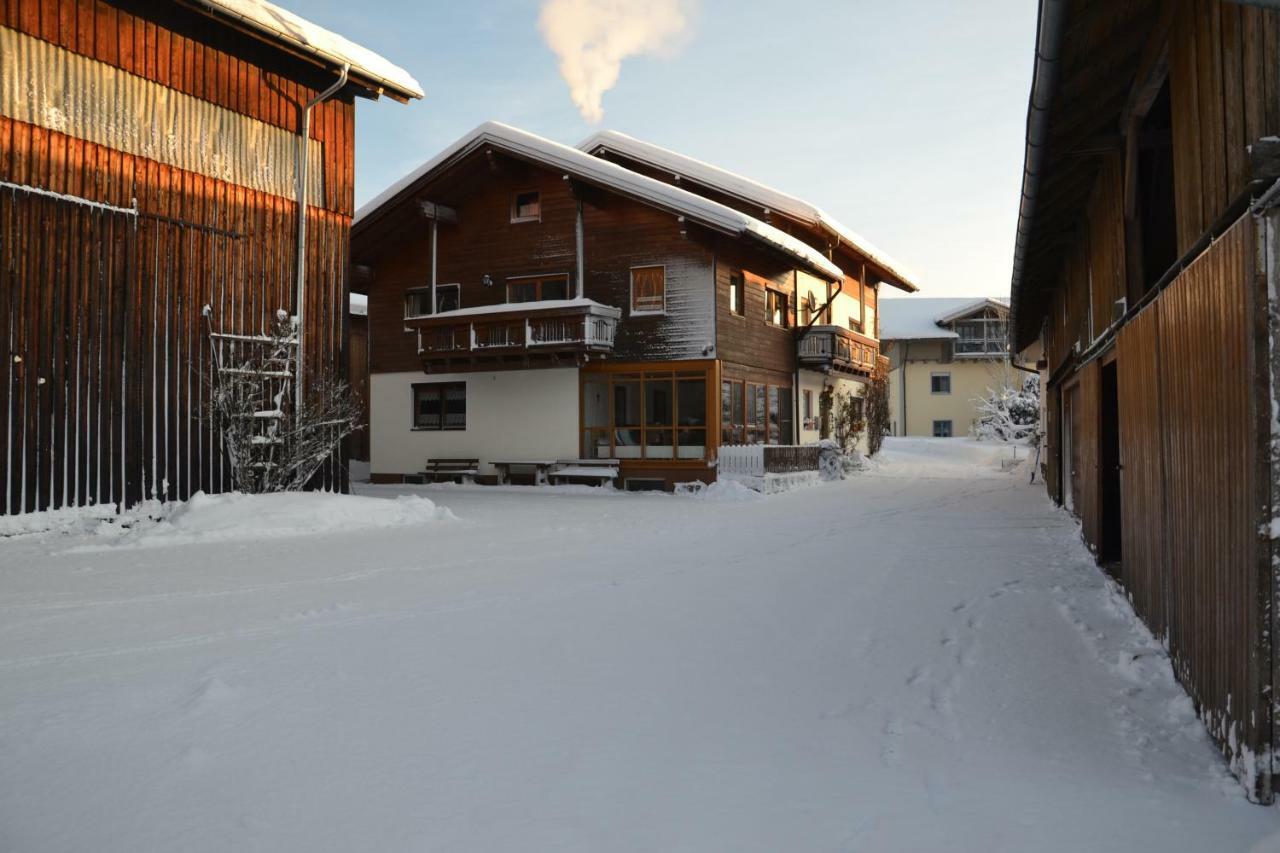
750 390
537 281
673 372
631 292
774 293
515 206
440 388
737 295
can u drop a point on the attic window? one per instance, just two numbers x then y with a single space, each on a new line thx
526 207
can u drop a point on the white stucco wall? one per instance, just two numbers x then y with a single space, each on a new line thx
512 414
813 381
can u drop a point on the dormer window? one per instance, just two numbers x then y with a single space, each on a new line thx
526 207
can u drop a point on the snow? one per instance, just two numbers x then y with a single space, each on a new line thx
921 657
530 308
570 160
359 304
285 26
917 318
743 188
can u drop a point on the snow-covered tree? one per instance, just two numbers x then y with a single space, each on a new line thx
1009 412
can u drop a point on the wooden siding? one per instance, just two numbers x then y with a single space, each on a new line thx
1086 398
1106 241
1224 81
748 339
1142 485
109 402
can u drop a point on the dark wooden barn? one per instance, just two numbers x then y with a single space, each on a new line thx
1145 268
148 168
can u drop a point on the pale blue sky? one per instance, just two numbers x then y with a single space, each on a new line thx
904 120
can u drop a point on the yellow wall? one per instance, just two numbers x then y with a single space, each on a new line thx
970 379
814 382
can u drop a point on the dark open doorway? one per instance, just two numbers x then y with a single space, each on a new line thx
1109 549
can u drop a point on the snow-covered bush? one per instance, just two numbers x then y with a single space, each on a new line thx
1008 413
877 410
848 422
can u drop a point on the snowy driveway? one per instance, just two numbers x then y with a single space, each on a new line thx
921 658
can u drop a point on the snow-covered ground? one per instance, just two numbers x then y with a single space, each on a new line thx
920 658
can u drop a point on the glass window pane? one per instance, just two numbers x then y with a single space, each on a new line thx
555 288
739 403
774 434
626 403
756 404
455 407
691 402
522 291
786 416
626 443
595 403
657 444
691 443
658 403
427 408
648 288
446 298
595 444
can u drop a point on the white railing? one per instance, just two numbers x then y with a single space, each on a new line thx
600 330
744 459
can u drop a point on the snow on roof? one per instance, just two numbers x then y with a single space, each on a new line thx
528 308
916 318
282 25
744 188
571 160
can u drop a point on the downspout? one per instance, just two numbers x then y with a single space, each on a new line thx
902 382
578 240
304 163
434 236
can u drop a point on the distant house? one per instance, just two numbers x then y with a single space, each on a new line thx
533 301
1145 267
944 354
149 168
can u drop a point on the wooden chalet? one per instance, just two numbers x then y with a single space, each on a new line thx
531 300
1145 268
149 167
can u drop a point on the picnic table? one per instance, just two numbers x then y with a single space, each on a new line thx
461 470
539 468
599 471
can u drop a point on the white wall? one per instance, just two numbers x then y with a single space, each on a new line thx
813 381
512 414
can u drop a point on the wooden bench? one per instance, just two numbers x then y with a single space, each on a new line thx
539 468
459 470
598 471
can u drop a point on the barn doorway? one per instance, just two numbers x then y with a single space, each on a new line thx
1068 461
1109 548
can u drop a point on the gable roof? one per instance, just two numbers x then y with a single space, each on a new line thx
280 25
744 189
914 318
593 170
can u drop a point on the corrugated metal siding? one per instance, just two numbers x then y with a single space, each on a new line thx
53 88
1142 475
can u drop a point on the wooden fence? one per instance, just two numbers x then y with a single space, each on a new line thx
756 460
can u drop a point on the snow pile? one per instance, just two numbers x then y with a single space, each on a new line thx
230 517
81 519
729 490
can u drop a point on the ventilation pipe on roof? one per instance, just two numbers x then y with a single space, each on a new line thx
303 163
1050 30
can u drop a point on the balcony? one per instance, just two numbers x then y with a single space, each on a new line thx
524 334
837 348
981 348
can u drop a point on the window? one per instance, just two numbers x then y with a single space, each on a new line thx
648 290
942 429
440 405
537 288
649 415
752 413
806 410
810 308
776 307
417 300
983 335
737 294
526 207
940 383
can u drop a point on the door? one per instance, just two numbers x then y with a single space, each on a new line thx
1068 459
1109 546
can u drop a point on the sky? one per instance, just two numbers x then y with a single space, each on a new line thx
903 120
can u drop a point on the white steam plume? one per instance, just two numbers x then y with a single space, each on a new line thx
592 37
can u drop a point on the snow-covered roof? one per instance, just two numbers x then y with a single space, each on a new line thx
916 318
743 188
282 25
570 160
527 308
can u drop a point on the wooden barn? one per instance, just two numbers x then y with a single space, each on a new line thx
1145 266
150 169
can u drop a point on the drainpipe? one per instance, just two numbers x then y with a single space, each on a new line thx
303 163
578 240
434 235
902 382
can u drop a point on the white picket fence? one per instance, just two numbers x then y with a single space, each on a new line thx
743 459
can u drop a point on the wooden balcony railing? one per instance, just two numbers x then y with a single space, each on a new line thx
526 328
837 348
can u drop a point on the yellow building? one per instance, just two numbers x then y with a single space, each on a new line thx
944 354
